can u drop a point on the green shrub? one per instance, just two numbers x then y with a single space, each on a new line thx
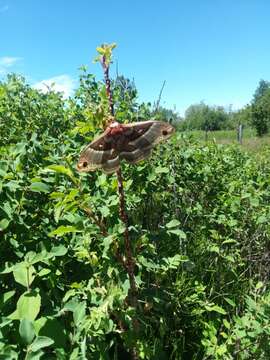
199 222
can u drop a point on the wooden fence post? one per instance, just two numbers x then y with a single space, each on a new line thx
240 133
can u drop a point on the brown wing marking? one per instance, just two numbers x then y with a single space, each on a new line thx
96 154
91 159
111 165
156 131
136 155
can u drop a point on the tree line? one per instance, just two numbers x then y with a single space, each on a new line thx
255 114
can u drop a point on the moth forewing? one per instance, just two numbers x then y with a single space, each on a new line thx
111 165
136 155
91 159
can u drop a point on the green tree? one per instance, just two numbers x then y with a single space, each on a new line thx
168 115
260 112
242 116
204 117
261 90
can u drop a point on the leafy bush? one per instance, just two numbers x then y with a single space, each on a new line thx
199 223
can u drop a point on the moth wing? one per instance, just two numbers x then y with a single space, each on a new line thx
111 165
149 133
142 137
98 154
136 155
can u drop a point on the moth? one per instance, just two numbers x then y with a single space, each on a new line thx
131 142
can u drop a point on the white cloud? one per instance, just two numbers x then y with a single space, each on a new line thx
62 83
7 62
4 8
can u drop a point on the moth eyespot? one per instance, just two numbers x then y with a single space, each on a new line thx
164 132
84 164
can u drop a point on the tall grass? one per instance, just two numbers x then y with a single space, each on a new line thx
250 142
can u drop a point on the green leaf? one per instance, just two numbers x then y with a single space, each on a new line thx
79 313
6 296
105 211
214 249
226 324
39 187
240 333
215 308
61 169
161 170
100 50
62 230
251 303
28 306
178 232
13 185
229 241
101 180
4 224
106 243
172 224
71 305
59 250
27 331
230 302
75 354
43 272
8 209
254 202
151 176
173 262
24 274
41 342
261 219
52 328
259 285
34 355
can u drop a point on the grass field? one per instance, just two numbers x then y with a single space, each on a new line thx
250 141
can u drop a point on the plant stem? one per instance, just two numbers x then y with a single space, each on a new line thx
128 263
108 83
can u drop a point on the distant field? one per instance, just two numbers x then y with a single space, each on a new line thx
250 140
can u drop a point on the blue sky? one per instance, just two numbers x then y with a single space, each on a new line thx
207 50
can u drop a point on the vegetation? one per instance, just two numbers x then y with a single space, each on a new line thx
198 222
260 110
214 118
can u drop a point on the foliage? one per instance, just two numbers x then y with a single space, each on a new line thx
261 89
24 111
241 337
242 116
204 117
199 221
261 113
168 115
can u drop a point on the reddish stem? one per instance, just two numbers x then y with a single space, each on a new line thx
108 84
104 232
129 262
